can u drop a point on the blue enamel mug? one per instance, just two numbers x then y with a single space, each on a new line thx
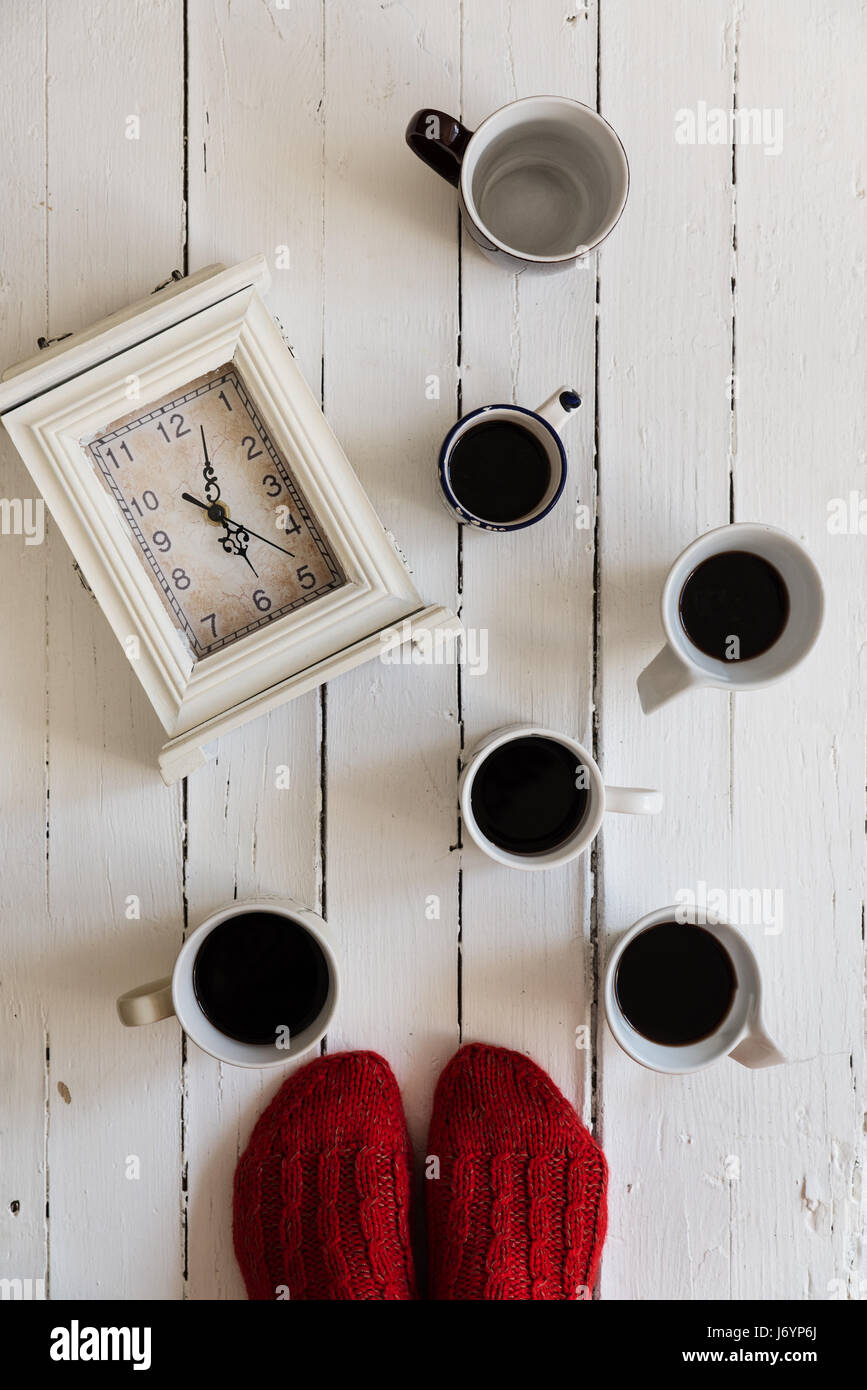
503 467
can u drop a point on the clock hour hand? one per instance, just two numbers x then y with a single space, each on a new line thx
237 537
217 512
212 487
212 493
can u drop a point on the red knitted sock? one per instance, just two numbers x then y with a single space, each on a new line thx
322 1190
518 1210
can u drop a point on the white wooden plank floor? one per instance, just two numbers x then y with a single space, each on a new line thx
717 341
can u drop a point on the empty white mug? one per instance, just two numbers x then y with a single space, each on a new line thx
630 800
681 665
740 1035
542 181
175 995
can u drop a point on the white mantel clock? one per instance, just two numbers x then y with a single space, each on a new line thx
209 506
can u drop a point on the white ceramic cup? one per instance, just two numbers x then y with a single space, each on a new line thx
176 996
681 665
740 1035
544 423
542 181
631 800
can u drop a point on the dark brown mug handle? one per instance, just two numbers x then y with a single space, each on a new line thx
440 141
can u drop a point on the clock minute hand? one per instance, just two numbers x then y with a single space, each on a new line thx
267 542
234 532
218 507
212 487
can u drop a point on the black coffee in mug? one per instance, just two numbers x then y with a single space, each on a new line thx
258 973
529 795
499 471
675 983
734 594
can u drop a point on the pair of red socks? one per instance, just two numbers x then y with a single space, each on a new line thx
515 1186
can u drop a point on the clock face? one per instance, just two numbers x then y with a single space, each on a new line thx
217 516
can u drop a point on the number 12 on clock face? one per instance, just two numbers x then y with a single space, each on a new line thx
216 515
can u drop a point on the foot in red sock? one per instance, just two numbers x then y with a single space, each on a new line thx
322 1190
518 1210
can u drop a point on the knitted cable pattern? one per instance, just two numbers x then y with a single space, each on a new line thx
518 1211
322 1190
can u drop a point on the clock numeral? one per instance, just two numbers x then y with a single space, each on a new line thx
177 420
261 600
285 520
272 484
150 500
224 398
211 617
252 452
305 577
161 541
124 448
181 579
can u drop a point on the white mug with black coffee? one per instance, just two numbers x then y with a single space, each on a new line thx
503 467
255 985
535 799
741 607
680 994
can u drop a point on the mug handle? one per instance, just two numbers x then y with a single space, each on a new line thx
665 677
633 801
440 141
557 408
146 1004
757 1050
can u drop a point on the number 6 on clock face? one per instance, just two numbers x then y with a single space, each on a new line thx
215 511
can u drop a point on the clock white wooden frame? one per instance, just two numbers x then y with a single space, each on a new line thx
71 392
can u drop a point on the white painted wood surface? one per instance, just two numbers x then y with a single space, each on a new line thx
728 1185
